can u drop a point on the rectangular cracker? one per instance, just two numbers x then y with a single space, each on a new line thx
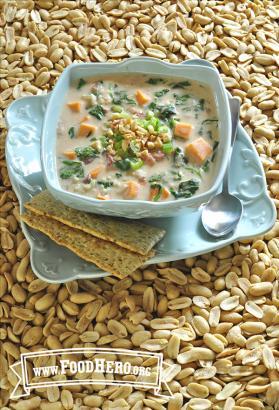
106 255
132 235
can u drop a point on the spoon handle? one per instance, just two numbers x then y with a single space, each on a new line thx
234 107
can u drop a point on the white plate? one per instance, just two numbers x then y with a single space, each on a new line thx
185 236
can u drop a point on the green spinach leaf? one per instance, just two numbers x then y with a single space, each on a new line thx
194 170
155 81
105 184
152 106
177 176
71 132
159 193
119 97
181 99
84 153
161 93
179 157
70 169
205 166
210 120
123 164
181 84
215 146
155 178
200 105
166 112
97 112
186 189
81 83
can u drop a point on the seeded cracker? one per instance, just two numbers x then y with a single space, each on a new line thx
132 235
106 255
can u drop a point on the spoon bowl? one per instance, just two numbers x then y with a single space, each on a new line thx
223 212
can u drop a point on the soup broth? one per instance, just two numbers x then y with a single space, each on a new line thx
137 137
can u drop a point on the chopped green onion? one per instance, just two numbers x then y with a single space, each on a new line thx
149 114
116 108
155 122
172 123
134 147
136 164
118 139
163 128
117 115
168 148
104 141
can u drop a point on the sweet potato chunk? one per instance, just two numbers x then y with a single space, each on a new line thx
183 130
142 98
86 129
70 154
198 151
74 106
131 190
165 193
102 197
96 171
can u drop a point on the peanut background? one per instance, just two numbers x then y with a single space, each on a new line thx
215 317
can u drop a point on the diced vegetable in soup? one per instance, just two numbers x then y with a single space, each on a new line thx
137 137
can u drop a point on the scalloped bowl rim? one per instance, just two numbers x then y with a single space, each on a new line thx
112 203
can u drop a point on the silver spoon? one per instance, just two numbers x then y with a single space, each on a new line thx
223 212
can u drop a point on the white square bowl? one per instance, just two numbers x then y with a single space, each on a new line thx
133 208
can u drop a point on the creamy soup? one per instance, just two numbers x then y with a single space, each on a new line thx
137 137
